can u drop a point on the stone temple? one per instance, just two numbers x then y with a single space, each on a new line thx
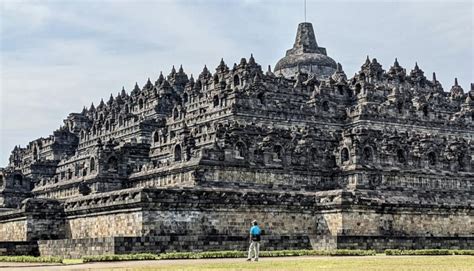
380 160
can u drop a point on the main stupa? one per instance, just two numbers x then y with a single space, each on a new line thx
306 56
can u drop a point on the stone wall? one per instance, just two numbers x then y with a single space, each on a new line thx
36 219
396 180
373 228
227 222
321 216
41 228
380 243
261 178
77 248
124 223
161 212
190 219
328 224
177 176
414 222
12 248
13 230
431 223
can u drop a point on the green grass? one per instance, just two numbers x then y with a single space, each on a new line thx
239 254
400 252
121 257
31 259
379 263
463 252
226 254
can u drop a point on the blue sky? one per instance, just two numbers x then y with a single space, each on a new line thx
57 56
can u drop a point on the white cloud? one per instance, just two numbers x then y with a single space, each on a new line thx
24 15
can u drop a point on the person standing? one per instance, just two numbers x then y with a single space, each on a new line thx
255 233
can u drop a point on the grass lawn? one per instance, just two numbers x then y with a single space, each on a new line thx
395 263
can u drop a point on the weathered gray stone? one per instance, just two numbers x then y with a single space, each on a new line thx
306 56
380 160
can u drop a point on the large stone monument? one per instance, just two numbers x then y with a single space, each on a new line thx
380 160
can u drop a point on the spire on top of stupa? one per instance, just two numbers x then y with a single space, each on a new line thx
305 41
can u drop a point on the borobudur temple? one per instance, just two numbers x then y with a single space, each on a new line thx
380 160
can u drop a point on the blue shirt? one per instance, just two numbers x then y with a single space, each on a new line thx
255 230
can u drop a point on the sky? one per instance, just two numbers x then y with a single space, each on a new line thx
58 56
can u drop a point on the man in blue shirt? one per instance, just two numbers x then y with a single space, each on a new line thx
255 233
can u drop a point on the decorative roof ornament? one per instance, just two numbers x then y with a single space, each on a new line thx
222 68
148 84
376 70
160 79
123 92
257 77
371 69
416 67
136 89
397 71
252 60
111 100
101 104
395 64
165 87
417 75
436 84
269 71
456 92
118 99
339 75
173 71
205 74
366 66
